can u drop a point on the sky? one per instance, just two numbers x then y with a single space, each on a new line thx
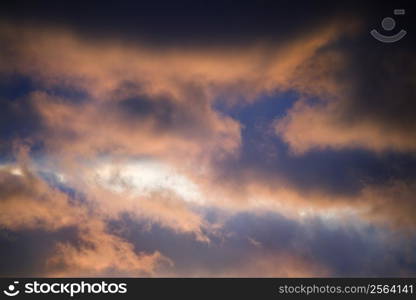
203 139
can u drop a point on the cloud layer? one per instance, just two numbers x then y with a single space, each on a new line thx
141 149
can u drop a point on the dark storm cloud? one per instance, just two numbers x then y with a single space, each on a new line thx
18 122
168 114
372 106
247 240
383 85
199 21
184 22
28 251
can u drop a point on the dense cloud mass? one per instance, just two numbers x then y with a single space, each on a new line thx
283 150
374 110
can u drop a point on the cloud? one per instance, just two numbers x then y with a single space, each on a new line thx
392 202
30 203
143 100
363 109
387 203
94 128
104 108
313 247
102 254
109 69
265 265
158 205
150 102
316 127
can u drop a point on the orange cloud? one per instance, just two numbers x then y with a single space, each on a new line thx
28 202
102 254
188 80
110 69
191 78
161 207
93 128
307 128
387 204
